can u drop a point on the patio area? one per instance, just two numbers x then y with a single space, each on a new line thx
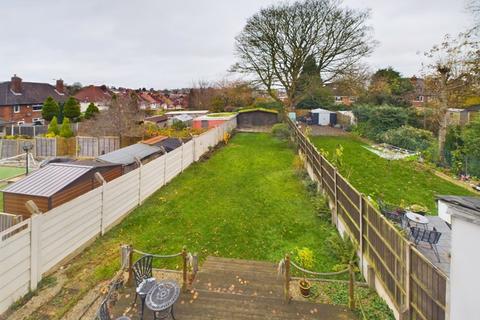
230 289
443 245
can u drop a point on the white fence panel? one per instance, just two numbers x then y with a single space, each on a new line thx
188 155
173 165
66 228
120 196
153 177
14 264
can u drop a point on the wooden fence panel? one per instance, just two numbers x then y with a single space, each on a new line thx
108 144
87 147
45 147
66 146
8 220
428 288
385 248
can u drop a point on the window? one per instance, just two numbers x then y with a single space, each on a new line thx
338 98
37 107
37 121
21 123
16 109
419 98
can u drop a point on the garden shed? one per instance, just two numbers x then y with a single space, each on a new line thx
256 118
323 117
55 184
168 143
127 156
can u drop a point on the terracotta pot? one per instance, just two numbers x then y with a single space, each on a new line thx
304 288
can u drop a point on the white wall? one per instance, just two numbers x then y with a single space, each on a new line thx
465 268
40 244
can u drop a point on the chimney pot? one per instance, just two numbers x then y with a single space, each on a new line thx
16 84
59 86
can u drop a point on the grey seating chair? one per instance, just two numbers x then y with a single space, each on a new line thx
429 236
104 312
142 270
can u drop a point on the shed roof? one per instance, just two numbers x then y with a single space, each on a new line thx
258 110
466 202
183 117
127 155
49 180
320 110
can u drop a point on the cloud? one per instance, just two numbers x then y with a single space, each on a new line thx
168 44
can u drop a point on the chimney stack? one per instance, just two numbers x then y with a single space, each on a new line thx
16 84
59 86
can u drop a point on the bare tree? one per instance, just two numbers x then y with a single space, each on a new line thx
123 118
453 76
276 41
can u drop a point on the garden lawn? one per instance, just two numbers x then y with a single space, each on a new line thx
392 180
246 202
8 172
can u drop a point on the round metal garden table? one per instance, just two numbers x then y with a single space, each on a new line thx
417 218
162 296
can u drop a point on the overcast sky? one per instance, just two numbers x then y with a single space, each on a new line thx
172 43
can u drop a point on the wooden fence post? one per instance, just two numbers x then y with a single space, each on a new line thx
405 309
335 173
360 208
129 253
351 287
184 259
287 278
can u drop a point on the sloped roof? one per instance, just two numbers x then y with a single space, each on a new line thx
472 203
183 117
93 94
128 154
32 93
49 180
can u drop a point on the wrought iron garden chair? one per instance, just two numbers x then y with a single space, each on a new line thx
429 236
142 270
104 312
391 212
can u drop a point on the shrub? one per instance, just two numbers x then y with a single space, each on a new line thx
91 111
53 127
66 130
373 121
409 138
179 125
281 131
50 109
71 108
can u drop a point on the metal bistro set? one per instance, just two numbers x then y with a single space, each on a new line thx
157 296
416 224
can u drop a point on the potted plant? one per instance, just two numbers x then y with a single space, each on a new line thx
305 258
416 208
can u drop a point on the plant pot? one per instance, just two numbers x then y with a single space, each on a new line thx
304 288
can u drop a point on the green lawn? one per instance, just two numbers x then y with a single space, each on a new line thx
394 180
5 173
8 172
246 201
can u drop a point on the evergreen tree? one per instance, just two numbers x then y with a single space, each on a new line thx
50 109
66 131
53 127
71 109
91 111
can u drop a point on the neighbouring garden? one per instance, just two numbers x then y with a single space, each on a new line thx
249 200
400 182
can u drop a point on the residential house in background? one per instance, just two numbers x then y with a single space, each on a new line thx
419 97
159 120
22 102
98 95
341 94
148 101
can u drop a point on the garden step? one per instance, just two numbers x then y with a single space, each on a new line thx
242 262
238 283
214 263
212 305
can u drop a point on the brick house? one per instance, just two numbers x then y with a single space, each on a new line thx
420 95
22 102
98 95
